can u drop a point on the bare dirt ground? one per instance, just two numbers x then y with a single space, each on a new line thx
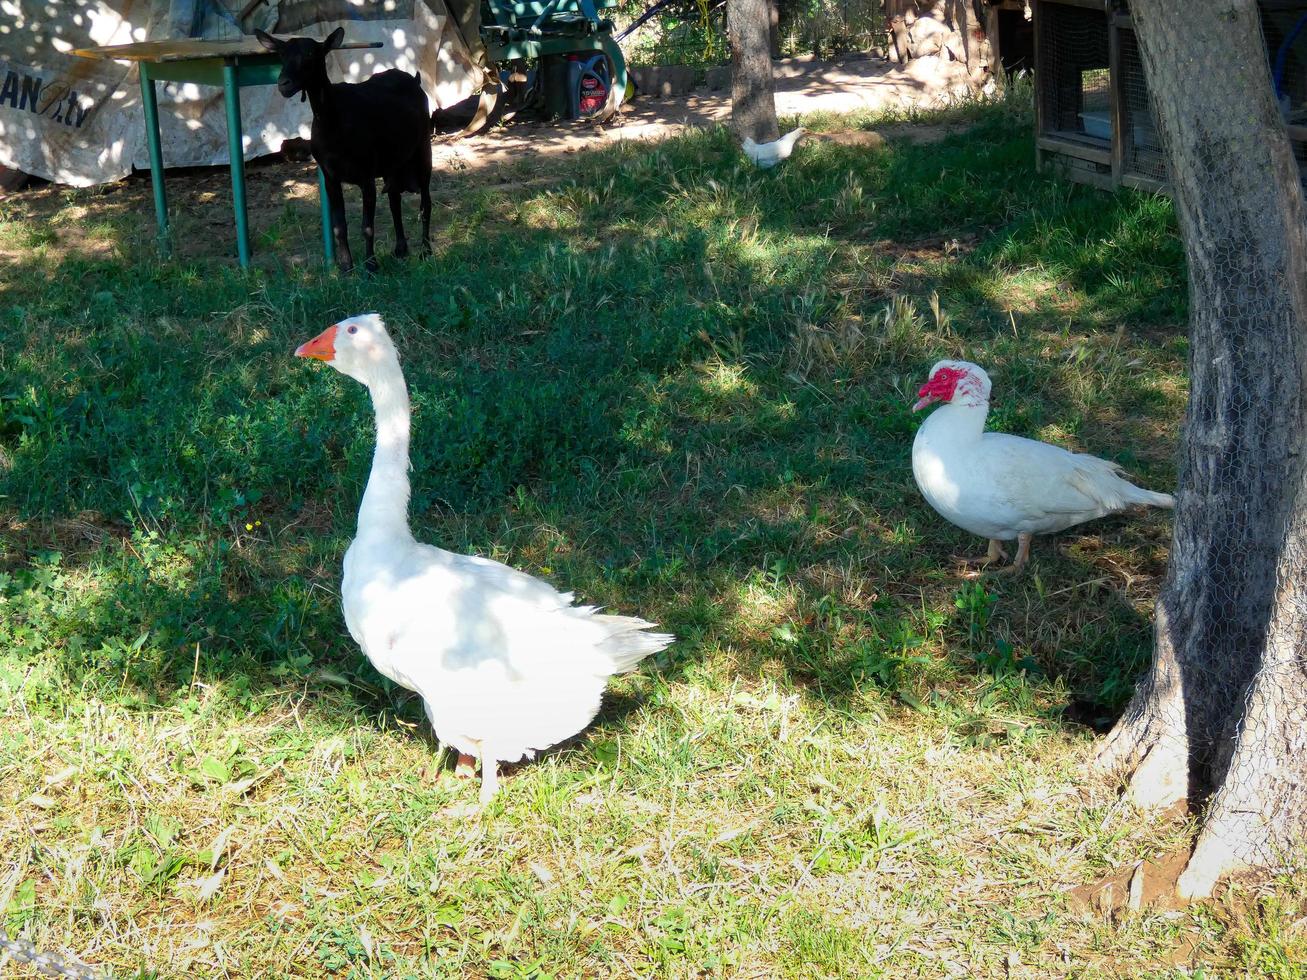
856 82
521 152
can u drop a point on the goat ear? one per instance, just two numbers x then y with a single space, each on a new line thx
335 39
268 41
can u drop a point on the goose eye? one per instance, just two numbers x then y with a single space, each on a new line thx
352 330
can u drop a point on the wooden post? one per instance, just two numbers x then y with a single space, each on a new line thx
1116 98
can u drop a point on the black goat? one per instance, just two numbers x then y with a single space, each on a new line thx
380 127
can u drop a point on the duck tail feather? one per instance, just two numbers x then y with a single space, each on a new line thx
627 642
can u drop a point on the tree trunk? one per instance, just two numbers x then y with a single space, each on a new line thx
1222 715
774 28
753 98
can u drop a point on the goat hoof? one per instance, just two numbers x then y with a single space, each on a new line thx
401 250
371 266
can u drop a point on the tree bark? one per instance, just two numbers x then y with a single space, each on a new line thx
753 97
1221 715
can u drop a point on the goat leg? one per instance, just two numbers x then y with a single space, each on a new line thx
369 188
425 189
397 216
336 204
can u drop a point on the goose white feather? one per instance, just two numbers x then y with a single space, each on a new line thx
1005 487
505 664
767 155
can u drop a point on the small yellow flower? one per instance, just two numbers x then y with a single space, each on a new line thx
249 527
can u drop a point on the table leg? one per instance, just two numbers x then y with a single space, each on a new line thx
236 150
328 243
151 106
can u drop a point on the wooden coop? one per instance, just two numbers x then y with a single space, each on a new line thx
1094 120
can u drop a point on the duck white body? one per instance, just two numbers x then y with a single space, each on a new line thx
504 663
1005 487
767 155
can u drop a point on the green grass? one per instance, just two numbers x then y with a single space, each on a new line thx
680 387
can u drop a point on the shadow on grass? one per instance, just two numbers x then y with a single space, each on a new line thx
611 390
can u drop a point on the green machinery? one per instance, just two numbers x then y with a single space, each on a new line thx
553 33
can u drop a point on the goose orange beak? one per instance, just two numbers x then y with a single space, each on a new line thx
321 348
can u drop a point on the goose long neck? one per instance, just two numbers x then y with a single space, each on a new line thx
384 510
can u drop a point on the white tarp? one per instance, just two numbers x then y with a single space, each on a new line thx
80 122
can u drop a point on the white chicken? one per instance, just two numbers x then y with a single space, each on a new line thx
504 663
767 155
1004 487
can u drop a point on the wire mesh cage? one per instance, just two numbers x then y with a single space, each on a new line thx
1141 152
1074 84
1284 25
1085 171
1096 121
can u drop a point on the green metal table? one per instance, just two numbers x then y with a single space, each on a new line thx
233 65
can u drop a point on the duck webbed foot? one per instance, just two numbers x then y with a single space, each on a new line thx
996 551
1023 556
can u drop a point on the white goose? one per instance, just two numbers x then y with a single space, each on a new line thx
1002 486
504 663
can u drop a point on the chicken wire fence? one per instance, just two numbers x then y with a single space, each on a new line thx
1284 29
1092 82
692 37
693 33
1142 153
1075 95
